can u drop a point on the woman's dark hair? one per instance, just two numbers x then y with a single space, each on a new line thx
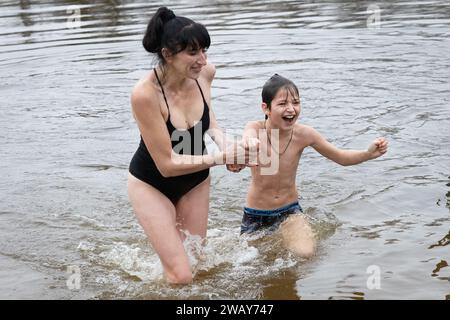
165 30
275 83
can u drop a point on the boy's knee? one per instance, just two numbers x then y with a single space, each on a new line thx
307 250
298 237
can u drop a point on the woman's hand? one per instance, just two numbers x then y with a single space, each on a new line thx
378 148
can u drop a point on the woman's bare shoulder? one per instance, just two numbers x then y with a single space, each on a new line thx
144 92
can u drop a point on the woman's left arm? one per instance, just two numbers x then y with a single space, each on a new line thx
215 132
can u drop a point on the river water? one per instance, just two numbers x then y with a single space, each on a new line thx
364 70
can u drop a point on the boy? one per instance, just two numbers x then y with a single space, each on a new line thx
273 196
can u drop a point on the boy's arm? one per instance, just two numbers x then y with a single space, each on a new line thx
250 132
249 141
345 157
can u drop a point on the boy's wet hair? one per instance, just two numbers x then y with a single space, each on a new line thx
166 30
275 83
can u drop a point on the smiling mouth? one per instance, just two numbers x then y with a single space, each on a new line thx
289 118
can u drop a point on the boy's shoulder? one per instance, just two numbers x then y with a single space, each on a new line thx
255 124
308 135
304 132
301 128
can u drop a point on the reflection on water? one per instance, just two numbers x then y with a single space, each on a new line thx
443 242
347 296
67 136
439 266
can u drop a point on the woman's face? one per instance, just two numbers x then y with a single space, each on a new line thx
284 109
189 62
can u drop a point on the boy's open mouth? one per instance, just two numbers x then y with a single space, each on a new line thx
289 119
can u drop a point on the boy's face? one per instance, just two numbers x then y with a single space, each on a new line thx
284 109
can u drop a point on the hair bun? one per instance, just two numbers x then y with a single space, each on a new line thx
153 35
165 14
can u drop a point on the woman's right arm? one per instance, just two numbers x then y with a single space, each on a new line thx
154 132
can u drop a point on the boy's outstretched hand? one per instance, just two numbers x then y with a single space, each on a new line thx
378 148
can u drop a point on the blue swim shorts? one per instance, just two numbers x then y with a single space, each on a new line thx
255 219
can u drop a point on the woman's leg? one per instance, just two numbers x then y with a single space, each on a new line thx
298 236
157 216
192 209
192 216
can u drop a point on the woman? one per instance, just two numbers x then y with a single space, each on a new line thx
169 181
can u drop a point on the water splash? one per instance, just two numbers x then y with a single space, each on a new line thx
134 261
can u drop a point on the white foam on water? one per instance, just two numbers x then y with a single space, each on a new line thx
134 261
85 246
221 264
225 246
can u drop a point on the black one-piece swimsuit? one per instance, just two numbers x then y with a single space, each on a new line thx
143 167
